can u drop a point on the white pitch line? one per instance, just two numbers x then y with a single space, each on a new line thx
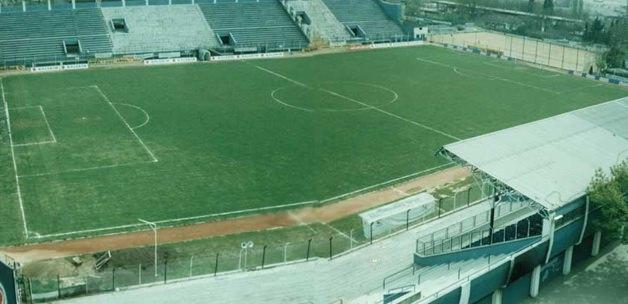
85 169
54 139
363 104
35 143
385 183
198 217
97 88
392 115
281 76
491 76
191 218
339 232
141 110
17 178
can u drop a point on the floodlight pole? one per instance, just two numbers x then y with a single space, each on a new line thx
152 226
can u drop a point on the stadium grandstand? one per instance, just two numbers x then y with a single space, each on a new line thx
49 33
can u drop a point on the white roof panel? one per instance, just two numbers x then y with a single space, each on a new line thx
552 161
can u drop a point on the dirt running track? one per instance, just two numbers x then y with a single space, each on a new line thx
295 217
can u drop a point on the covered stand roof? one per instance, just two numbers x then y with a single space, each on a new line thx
551 161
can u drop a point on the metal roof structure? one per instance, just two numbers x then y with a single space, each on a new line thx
550 161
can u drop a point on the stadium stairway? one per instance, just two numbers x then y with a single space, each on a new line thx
38 36
429 280
323 23
262 25
159 28
368 15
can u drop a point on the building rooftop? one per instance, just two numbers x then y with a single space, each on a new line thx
551 161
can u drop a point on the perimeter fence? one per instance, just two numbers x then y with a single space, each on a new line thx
172 266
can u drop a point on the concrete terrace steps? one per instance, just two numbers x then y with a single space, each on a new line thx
160 28
39 35
368 15
253 23
324 23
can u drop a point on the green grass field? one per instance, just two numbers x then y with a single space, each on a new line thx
96 150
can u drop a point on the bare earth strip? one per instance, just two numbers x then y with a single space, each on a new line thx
309 215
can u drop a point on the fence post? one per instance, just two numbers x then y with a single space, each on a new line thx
440 204
165 270
191 264
285 252
58 287
408 219
216 264
330 247
469 196
371 232
139 274
113 279
307 254
263 255
351 239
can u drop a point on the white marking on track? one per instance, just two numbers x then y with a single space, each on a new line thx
339 232
400 191
17 177
300 221
97 88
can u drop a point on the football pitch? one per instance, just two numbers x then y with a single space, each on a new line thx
91 152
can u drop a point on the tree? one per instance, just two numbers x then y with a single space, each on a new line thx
548 5
609 194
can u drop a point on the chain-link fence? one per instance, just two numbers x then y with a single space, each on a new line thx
172 266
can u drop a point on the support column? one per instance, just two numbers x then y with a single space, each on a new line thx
567 260
73 4
535 281
597 238
23 6
465 293
49 5
497 296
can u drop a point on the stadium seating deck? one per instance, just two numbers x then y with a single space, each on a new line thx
254 24
158 28
38 36
368 15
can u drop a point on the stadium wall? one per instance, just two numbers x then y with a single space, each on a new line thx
531 50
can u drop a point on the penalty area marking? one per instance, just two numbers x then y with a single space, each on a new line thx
146 116
200 217
86 169
50 133
106 99
17 178
365 105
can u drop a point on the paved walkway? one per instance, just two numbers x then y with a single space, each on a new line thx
345 277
